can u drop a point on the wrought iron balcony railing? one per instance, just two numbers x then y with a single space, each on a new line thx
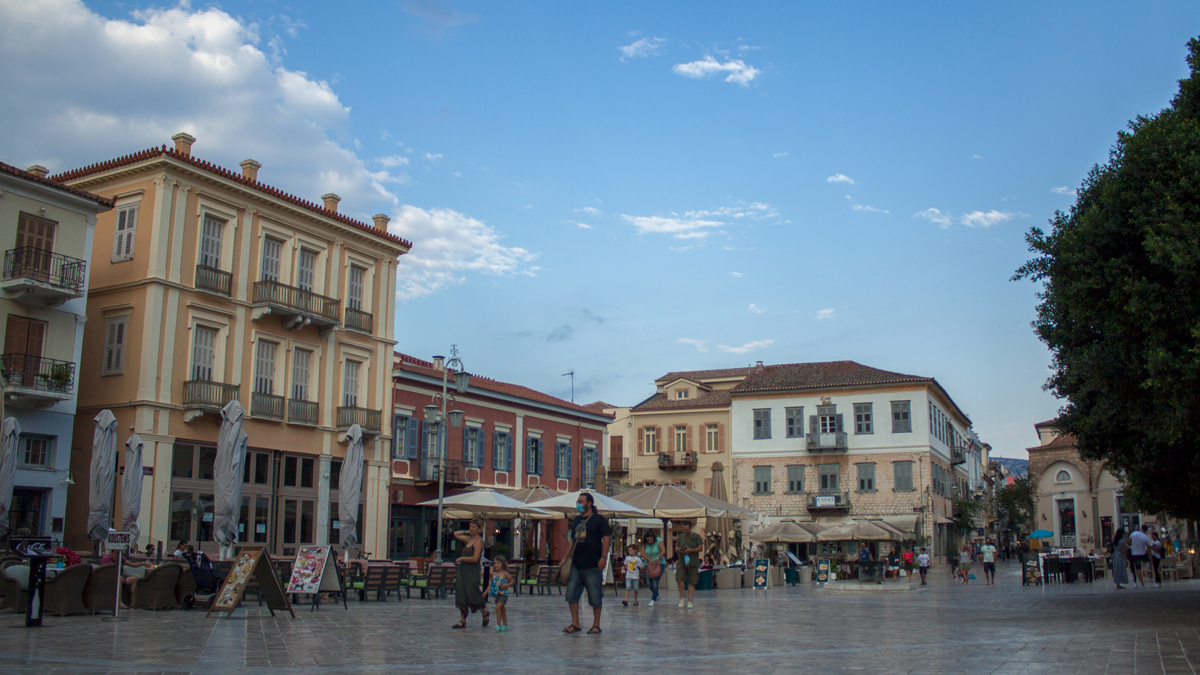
214 280
367 419
428 469
47 267
678 460
618 465
38 372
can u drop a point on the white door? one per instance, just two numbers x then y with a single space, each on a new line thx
210 243
270 259
203 352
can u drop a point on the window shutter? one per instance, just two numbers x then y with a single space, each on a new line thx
412 437
691 437
641 436
466 457
570 459
720 437
497 451
529 467
812 424
671 440
658 439
839 423
508 452
539 457
481 448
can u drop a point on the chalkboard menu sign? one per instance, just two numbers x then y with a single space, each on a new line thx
823 570
1032 572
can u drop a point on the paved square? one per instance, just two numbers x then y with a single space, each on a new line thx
1075 628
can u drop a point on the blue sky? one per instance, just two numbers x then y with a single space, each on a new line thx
627 189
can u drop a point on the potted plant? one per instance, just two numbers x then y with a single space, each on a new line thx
60 376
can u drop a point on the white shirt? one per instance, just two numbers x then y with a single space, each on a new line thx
923 560
1138 541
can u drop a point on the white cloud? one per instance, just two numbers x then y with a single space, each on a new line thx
988 219
590 210
698 224
700 345
840 178
780 154
448 244
976 156
825 314
641 48
739 72
934 216
869 209
584 226
680 227
432 157
437 15
756 309
1064 190
748 347
392 160
737 274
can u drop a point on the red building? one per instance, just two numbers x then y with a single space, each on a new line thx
511 437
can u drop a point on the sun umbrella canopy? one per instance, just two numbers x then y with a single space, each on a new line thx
532 494
565 504
855 530
8 469
227 483
787 532
1041 534
494 505
100 488
350 487
674 501
131 485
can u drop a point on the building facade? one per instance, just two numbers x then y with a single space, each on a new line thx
840 439
210 286
512 437
47 231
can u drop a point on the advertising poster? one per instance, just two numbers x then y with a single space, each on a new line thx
823 571
308 570
762 567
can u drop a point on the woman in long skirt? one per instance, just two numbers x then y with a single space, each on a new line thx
1120 545
467 595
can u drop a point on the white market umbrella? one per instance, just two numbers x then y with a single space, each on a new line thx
787 532
530 495
675 501
488 503
131 486
100 486
8 469
564 504
350 488
227 483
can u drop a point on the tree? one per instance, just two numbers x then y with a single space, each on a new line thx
1015 506
1120 306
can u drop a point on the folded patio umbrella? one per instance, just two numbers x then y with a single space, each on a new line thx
350 487
131 486
8 469
227 486
485 502
565 504
100 487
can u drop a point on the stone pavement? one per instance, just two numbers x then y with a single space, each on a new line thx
946 628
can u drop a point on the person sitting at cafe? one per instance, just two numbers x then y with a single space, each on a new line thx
131 572
1093 555
181 549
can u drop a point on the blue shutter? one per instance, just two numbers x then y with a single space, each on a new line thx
530 467
570 459
412 432
540 452
497 451
508 452
467 460
481 447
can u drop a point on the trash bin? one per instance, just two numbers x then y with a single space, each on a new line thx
805 573
706 581
791 575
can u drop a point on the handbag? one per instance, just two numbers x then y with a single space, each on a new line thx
654 570
564 570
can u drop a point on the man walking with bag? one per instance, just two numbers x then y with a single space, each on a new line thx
591 536
688 547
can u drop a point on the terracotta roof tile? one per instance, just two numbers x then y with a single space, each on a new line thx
1063 441
417 366
12 170
164 151
790 376
704 374
708 399
599 406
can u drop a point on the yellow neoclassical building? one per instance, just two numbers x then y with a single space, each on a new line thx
209 286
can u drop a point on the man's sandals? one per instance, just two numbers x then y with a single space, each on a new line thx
576 629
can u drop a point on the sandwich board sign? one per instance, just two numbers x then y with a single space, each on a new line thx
762 567
313 574
823 570
251 562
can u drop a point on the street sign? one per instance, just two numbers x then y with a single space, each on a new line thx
119 541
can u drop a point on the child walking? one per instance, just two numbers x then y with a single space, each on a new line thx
633 564
502 581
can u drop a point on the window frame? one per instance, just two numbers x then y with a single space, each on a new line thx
865 479
759 484
712 438
1058 479
347 390
197 354
762 424
125 234
902 417
26 441
680 437
895 483
864 419
266 356
793 421
823 473
795 479
116 334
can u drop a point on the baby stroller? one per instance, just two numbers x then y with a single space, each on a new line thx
204 574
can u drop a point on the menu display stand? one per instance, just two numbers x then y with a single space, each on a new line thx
37 551
312 574
256 562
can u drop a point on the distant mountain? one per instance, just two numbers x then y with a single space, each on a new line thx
1017 467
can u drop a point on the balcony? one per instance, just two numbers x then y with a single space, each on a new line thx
618 466
206 396
428 472
833 442
302 412
829 500
958 455
356 319
365 418
214 280
42 277
297 307
35 381
266 406
677 460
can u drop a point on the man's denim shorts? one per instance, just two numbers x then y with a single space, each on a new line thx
591 579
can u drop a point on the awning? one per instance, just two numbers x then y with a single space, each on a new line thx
942 520
905 525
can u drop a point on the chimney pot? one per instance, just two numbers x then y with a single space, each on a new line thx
381 222
250 170
183 143
38 170
331 202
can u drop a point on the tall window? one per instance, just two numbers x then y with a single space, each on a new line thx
681 439
264 367
712 438
902 476
533 457
795 478
650 440
405 438
210 242
502 451
125 231
203 353
762 423
795 421
301 363
271 251
115 329
901 417
36 451
562 460
473 446
354 296
1066 520
827 419
350 384
762 480
866 477
828 476
590 459
307 271
862 419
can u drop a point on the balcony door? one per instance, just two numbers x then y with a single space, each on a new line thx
210 243
203 353
35 243
307 272
23 341
270 259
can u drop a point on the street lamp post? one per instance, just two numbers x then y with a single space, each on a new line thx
455 417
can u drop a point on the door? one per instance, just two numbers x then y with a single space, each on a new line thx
23 340
308 266
203 352
210 243
270 259
35 243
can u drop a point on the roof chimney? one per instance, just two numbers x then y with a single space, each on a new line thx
250 170
38 170
331 202
183 143
381 222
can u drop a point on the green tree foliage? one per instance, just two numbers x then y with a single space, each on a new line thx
1015 506
1120 307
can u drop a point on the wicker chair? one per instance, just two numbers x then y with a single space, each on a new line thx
157 589
64 593
100 590
14 598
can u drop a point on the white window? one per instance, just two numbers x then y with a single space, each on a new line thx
650 438
350 384
264 367
114 344
681 439
203 352
210 243
681 393
354 297
307 271
712 438
270 259
828 419
301 361
124 233
36 451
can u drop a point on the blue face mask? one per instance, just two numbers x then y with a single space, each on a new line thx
579 508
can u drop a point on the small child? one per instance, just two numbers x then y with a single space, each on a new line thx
633 563
502 581
923 565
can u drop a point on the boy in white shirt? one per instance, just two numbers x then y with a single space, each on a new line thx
923 565
633 566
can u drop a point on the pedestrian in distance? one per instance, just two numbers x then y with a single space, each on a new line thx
633 568
1139 554
908 564
688 547
964 564
655 558
502 582
467 596
988 553
1156 556
893 564
923 565
591 536
1118 551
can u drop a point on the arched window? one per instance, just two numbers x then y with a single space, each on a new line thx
1063 476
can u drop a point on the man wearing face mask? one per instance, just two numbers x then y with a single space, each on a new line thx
688 546
592 536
